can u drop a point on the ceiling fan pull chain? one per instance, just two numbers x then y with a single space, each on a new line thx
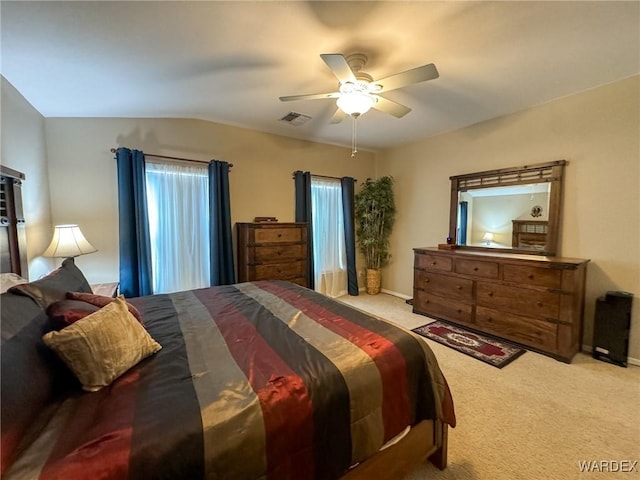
354 148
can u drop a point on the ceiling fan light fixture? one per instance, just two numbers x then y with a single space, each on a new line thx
355 103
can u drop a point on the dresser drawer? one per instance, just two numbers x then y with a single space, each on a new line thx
272 252
520 301
542 277
282 271
278 253
452 288
441 307
278 235
477 268
521 329
434 262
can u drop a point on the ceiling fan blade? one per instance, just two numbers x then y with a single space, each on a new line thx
389 106
338 116
313 96
409 77
339 66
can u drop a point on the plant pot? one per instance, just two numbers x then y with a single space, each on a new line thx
373 281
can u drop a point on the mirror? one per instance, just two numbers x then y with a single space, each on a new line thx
508 210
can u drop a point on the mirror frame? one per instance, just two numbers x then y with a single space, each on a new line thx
549 172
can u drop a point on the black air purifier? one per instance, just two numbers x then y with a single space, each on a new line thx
611 327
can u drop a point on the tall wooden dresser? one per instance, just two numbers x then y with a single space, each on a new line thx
533 300
272 251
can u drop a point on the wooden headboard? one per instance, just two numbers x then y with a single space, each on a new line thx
13 238
530 234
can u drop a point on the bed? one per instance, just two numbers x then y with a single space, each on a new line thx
254 380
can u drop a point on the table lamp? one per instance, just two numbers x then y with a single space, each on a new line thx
68 241
487 237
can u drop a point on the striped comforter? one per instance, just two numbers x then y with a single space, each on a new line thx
254 380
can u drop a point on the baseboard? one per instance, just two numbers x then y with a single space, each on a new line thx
395 294
630 360
388 292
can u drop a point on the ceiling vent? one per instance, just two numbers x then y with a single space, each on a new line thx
295 118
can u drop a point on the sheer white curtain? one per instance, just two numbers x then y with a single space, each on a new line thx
329 254
177 197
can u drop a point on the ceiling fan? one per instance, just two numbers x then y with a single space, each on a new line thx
358 92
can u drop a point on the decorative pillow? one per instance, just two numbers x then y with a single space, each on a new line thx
54 286
65 312
43 296
103 345
102 301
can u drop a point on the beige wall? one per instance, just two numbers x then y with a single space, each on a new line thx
83 172
596 131
24 149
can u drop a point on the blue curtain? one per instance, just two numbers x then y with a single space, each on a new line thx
464 208
347 184
303 214
135 245
221 243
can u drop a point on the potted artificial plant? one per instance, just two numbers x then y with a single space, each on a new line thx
375 212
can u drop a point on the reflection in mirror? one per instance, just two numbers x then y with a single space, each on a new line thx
499 217
511 209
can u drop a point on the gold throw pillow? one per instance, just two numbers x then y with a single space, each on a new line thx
103 345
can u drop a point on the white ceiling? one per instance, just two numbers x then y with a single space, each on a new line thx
228 62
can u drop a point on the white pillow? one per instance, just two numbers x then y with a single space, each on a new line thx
8 280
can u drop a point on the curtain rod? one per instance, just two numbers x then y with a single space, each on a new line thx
113 150
325 176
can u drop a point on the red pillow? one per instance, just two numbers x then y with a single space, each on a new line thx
101 301
65 312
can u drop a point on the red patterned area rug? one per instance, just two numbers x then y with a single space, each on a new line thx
486 349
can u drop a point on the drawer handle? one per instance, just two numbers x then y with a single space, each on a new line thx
530 276
459 311
459 287
279 252
279 235
539 303
490 294
434 263
426 280
475 269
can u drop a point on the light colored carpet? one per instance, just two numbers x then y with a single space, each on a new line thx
536 418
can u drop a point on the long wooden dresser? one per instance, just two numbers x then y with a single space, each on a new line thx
532 300
272 251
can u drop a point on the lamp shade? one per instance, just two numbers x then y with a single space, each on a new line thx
355 103
68 241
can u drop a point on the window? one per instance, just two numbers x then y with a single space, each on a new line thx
178 208
329 253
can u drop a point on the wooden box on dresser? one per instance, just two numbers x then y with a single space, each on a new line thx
533 300
272 251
